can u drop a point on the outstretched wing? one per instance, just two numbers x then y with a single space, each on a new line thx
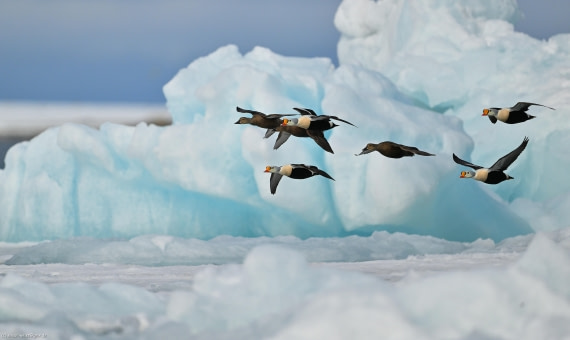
305 112
504 162
278 115
462 162
493 119
523 106
319 138
281 138
269 116
239 109
274 181
341 120
269 133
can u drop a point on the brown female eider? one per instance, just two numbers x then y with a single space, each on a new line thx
393 150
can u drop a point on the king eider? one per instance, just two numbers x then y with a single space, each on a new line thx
297 171
286 131
310 121
393 150
495 174
511 115
262 120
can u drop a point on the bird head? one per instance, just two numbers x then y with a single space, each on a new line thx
272 169
489 112
467 174
243 120
290 122
367 149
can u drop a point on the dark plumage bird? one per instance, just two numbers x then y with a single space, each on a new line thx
262 120
286 131
297 171
393 150
311 121
511 115
495 174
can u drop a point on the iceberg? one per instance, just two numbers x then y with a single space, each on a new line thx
416 74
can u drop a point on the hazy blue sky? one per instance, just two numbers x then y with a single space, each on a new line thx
126 50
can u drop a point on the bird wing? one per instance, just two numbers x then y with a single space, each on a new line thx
274 181
305 112
319 138
269 116
281 138
269 133
239 109
504 162
341 120
278 115
462 162
493 119
523 106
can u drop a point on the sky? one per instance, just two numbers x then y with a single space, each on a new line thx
125 51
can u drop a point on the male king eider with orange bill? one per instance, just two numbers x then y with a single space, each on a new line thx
494 174
311 121
511 115
297 171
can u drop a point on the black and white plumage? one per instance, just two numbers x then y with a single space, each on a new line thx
296 171
286 131
311 121
393 150
511 115
495 174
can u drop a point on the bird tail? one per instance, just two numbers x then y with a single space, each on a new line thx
322 173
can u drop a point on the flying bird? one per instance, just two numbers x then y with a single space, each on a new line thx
286 131
311 121
511 115
393 150
495 174
262 120
297 171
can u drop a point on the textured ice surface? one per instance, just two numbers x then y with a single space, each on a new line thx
444 290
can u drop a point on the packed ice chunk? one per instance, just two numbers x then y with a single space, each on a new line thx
203 176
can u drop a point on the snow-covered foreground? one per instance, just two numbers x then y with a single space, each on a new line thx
402 287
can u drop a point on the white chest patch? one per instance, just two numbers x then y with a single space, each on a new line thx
503 114
304 122
286 170
481 175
